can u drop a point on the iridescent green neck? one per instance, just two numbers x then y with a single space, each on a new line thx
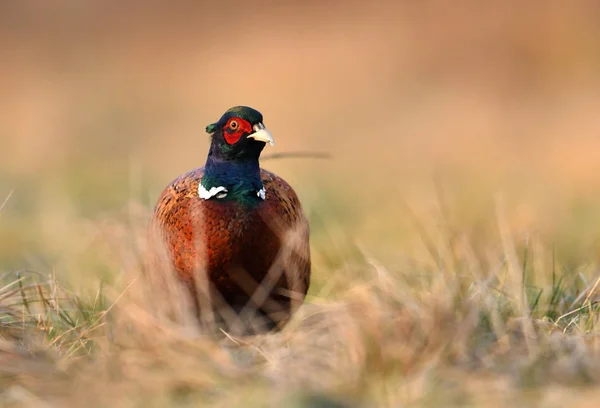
240 180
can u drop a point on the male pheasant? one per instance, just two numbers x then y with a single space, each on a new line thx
235 234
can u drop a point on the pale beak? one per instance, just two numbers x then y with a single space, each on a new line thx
262 134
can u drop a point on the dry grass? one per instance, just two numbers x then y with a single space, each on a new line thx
482 326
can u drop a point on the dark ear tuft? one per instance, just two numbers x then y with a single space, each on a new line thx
211 128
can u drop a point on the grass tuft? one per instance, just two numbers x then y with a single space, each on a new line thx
447 329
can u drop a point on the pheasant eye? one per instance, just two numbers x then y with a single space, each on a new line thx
233 124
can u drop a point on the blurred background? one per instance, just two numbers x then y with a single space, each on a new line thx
102 103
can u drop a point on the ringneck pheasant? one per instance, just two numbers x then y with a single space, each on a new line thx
236 234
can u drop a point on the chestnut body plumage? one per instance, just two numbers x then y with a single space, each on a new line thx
236 234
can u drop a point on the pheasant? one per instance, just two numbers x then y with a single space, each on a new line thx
236 235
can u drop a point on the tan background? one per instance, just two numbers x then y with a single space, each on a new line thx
102 103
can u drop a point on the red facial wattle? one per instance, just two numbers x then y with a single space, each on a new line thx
235 128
